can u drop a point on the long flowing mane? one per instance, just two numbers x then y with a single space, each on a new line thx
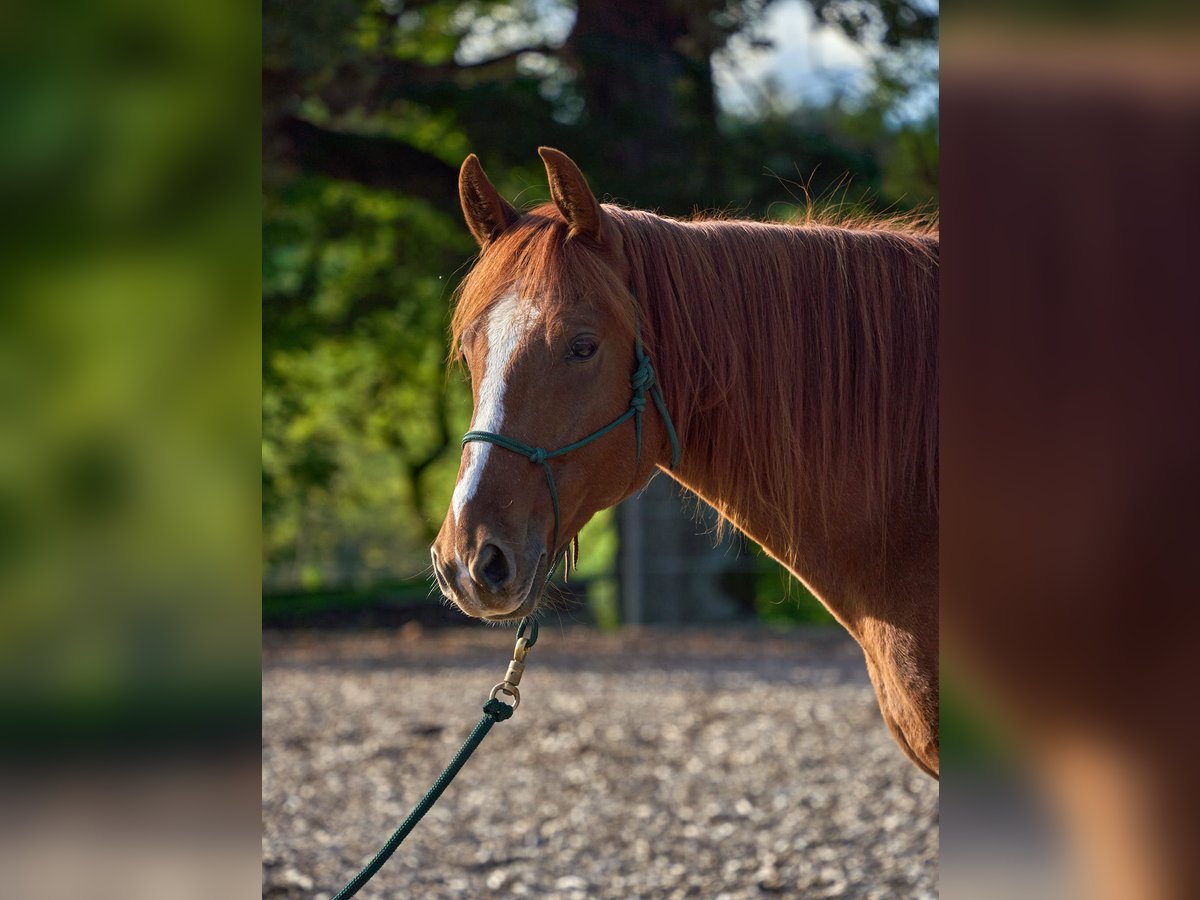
781 349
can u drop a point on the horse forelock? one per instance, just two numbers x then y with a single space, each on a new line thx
556 276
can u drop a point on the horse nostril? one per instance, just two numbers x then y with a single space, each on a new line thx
491 568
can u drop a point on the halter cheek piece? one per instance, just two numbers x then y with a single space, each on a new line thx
642 381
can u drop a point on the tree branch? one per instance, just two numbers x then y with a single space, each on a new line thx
372 161
511 56
398 77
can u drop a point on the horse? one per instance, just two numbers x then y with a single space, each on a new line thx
786 374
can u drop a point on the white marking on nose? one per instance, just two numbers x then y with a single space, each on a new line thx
507 323
462 577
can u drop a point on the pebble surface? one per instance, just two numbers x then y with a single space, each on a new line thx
716 764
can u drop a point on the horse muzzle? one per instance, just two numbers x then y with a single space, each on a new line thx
490 581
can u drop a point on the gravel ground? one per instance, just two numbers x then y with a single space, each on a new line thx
649 764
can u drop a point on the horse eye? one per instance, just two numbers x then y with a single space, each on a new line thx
583 348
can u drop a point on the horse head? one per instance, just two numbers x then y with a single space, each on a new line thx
564 420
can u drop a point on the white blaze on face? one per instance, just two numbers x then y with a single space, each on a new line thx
507 323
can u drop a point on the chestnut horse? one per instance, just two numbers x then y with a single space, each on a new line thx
785 374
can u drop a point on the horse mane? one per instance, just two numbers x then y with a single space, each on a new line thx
782 350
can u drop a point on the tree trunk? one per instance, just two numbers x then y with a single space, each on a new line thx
648 90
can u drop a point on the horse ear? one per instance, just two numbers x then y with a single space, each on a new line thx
486 212
570 192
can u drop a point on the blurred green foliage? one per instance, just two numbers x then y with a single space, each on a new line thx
972 735
369 108
357 408
128 359
782 601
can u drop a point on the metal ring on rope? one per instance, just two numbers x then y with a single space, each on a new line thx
505 688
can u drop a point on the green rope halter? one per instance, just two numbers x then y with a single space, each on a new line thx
642 381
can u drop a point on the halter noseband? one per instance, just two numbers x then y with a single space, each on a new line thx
642 381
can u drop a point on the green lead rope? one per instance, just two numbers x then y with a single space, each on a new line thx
494 710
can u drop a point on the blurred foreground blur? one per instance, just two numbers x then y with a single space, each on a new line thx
128 428
1070 443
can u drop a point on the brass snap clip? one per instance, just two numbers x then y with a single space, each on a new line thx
516 668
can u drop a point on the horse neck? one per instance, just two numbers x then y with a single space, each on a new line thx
730 344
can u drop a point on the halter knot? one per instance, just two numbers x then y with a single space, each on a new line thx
537 455
498 709
638 402
642 378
